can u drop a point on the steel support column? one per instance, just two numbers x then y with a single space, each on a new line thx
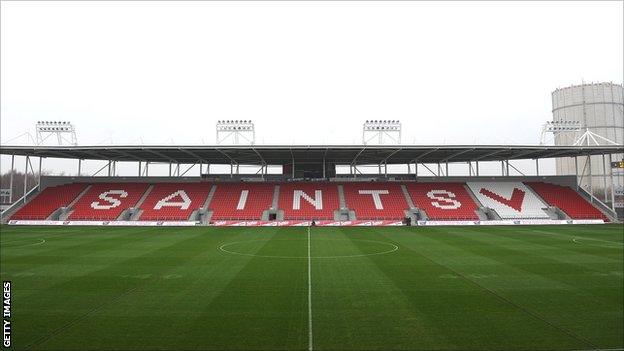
11 178
39 177
576 171
591 179
26 178
604 177
612 185
537 166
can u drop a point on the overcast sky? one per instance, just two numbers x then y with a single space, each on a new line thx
304 72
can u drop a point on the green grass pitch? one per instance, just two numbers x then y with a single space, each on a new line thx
357 288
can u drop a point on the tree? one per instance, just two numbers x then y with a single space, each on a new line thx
18 183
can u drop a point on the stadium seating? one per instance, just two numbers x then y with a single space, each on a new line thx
443 201
308 200
316 200
511 200
241 201
567 200
106 201
174 201
49 200
376 200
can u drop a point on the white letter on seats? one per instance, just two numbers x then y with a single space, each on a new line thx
242 200
112 202
317 202
376 197
446 197
183 205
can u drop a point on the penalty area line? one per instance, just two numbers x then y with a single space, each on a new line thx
40 242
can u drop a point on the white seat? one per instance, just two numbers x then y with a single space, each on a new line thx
511 200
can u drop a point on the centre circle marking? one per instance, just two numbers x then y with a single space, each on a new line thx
392 247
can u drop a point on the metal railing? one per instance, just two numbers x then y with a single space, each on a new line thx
18 203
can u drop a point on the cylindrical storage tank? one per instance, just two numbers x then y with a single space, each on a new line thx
598 107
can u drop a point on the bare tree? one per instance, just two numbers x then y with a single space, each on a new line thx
18 183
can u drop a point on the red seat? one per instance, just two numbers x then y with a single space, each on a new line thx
372 200
174 201
307 201
241 201
443 201
48 201
566 199
106 201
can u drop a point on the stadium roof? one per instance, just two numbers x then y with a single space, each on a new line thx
285 154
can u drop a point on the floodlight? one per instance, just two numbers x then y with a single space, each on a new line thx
61 129
234 129
384 130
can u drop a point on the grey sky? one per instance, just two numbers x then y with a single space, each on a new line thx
305 72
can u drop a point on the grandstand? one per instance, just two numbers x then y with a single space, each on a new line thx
309 189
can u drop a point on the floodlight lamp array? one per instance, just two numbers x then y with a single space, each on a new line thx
54 126
563 126
234 121
235 125
382 125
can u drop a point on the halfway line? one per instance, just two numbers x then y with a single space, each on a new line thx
310 342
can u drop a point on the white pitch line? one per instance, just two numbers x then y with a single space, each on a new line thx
577 237
310 338
22 240
224 246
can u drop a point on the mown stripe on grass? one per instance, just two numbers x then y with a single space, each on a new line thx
428 245
549 264
73 289
357 306
533 266
264 304
44 268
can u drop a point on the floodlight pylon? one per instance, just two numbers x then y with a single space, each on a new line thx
384 131
235 132
64 131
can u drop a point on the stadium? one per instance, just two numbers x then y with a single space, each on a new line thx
378 245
